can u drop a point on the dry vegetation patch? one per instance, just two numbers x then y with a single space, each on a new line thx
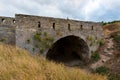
18 64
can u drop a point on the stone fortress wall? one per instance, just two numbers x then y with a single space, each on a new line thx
22 29
7 30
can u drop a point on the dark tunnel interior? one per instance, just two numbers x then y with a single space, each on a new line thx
67 49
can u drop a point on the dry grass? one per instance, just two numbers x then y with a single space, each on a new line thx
111 28
18 64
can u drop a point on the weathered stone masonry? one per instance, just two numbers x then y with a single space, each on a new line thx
22 29
7 30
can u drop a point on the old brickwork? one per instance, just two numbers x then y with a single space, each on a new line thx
7 30
26 27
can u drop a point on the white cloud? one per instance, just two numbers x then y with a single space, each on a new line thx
95 10
90 8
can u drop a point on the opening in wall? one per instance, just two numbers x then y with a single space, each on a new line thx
3 20
14 21
69 27
69 49
39 24
92 28
54 26
81 27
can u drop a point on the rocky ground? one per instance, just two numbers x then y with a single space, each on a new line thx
110 51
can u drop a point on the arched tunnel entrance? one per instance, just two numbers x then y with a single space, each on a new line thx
68 49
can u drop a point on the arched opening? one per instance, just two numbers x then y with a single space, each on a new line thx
3 20
69 27
92 28
81 27
54 26
39 24
68 49
14 21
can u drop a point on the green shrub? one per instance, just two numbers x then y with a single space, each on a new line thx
101 42
43 43
41 51
92 43
116 38
1 40
28 41
33 49
45 33
114 77
102 70
47 45
37 37
37 45
90 38
105 23
95 56
50 39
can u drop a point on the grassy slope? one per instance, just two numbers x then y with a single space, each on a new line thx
17 64
111 28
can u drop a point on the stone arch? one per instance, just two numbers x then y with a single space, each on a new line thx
68 49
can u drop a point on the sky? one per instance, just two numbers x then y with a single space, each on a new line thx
84 10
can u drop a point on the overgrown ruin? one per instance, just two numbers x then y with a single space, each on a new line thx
59 39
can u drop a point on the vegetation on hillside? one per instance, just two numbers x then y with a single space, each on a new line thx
105 23
95 56
18 64
116 38
111 67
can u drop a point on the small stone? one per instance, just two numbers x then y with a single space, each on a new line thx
110 53
105 51
104 60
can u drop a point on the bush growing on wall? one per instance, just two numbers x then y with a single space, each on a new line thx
28 41
43 43
90 38
101 42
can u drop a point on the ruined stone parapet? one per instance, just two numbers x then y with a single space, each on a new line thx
7 30
28 26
